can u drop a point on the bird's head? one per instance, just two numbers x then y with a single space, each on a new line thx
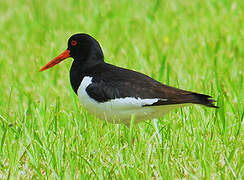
81 47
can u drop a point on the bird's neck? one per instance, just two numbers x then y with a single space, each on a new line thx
78 70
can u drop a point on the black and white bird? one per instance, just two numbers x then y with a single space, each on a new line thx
116 94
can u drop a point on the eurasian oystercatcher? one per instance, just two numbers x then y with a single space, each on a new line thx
116 94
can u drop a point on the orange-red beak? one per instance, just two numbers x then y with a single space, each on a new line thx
64 55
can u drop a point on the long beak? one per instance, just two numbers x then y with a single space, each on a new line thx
64 55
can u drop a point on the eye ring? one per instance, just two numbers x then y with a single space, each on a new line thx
73 43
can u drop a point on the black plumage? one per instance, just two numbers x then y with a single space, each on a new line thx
111 82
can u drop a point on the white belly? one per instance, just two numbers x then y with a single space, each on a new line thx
121 110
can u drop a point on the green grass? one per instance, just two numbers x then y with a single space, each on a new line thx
195 45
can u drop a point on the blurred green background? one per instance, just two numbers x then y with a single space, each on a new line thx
194 45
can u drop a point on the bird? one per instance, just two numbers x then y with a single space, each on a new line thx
117 94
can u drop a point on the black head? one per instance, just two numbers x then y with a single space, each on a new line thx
82 48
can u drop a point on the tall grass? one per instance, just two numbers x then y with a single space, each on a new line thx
194 45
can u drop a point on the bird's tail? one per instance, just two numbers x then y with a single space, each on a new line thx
202 99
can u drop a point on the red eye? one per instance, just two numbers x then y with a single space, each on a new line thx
73 42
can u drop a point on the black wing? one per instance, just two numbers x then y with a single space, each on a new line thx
113 82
